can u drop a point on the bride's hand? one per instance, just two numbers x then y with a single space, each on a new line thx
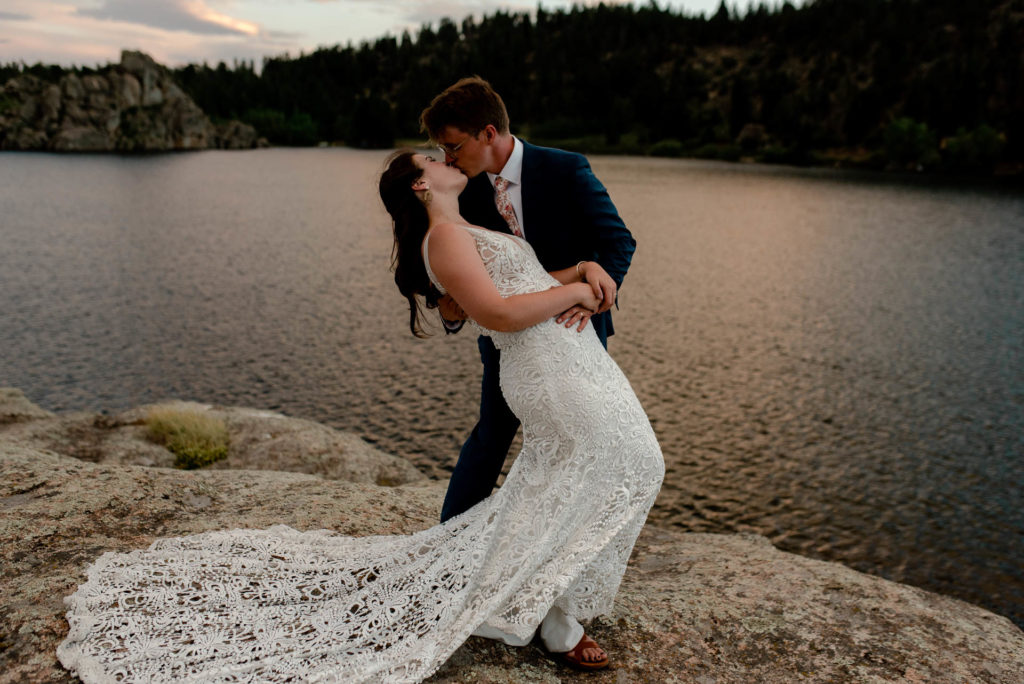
580 314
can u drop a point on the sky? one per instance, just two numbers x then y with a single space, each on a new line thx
177 32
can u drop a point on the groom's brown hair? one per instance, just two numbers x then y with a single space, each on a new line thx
470 105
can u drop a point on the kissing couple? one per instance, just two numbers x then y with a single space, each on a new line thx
525 245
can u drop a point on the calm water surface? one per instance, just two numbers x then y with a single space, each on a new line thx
832 360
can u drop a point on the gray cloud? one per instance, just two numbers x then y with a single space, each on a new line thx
168 14
285 35
13 16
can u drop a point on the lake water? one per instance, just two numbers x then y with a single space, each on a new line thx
833 360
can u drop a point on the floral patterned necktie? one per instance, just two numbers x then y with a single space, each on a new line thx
504 204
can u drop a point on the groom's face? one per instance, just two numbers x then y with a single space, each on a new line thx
468 153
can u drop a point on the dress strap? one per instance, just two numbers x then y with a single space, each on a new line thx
426 265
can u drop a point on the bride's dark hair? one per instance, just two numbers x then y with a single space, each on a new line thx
409 217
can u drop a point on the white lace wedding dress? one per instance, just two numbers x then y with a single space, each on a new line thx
280 605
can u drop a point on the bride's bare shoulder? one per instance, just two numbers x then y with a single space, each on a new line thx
447 239
447 232
445 228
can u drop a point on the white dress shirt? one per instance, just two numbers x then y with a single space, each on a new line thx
513 173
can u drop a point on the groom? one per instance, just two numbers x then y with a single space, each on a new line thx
553 200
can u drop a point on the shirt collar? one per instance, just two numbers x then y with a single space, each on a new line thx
513 169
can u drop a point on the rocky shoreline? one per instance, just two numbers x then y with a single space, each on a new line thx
692 607
133 106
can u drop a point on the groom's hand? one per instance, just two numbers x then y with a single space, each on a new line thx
602 283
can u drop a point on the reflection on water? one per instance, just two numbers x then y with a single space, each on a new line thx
832 360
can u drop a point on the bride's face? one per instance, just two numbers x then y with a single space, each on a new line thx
439 176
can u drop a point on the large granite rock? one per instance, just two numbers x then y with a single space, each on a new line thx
258 440
133 106
58 514
692 608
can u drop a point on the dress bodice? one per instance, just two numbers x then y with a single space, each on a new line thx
512 265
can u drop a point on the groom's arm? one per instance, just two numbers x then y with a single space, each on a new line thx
613 243
609 242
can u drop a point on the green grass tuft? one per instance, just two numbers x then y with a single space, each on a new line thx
196 440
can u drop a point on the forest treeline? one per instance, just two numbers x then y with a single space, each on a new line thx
926 84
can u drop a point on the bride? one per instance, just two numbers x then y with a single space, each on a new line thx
546 550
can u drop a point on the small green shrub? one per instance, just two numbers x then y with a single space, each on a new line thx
775 154
976 150
666 148
297 128
723 152
196 440
910 144
793 156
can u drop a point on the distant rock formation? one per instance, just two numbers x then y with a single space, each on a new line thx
728 609
134 106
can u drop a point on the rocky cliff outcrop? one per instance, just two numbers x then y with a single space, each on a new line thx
133 106
692 607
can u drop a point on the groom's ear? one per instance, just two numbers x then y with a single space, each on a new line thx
490 133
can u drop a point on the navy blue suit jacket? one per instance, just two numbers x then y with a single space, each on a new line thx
567 216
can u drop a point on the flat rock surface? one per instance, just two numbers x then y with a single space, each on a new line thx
692 607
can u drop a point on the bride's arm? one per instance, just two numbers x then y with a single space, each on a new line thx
456 263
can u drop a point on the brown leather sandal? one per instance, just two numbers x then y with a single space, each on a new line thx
574 658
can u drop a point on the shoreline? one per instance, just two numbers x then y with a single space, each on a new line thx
1009 177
